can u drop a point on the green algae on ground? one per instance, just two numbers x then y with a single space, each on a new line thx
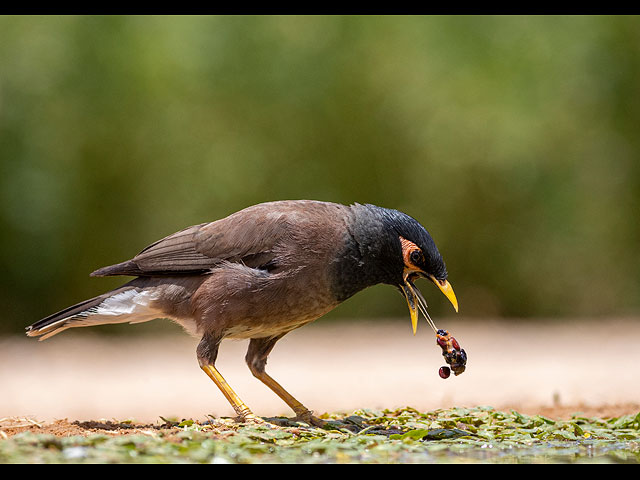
406 435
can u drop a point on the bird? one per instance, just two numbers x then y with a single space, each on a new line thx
260 273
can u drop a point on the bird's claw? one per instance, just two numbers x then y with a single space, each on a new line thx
252 419
308 417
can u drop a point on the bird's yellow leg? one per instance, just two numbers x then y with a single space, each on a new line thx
238 405
302 412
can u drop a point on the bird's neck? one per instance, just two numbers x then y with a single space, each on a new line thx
367 255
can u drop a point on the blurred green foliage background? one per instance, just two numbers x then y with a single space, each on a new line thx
514 140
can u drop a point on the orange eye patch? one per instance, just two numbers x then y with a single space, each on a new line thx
408 248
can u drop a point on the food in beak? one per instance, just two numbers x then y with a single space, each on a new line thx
455 356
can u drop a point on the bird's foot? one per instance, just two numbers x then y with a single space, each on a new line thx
308 417
252 419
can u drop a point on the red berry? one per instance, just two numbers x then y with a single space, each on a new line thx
444 372
455 343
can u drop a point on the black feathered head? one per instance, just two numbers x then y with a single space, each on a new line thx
418 256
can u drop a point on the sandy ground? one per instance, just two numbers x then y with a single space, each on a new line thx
551 368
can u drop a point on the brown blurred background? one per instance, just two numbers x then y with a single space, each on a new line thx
513 139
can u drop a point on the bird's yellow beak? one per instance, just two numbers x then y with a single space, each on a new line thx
445 287
413 296
412 302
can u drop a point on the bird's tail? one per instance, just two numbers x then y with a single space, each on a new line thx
128 303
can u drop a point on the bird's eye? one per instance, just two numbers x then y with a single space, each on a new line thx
416 257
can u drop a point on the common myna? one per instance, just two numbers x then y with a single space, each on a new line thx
261 273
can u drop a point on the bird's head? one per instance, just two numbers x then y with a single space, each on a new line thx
417 256
387 246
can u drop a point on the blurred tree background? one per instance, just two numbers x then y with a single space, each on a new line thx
514 140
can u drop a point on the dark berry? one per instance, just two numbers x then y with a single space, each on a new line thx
444 372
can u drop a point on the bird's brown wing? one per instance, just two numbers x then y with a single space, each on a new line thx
250 236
